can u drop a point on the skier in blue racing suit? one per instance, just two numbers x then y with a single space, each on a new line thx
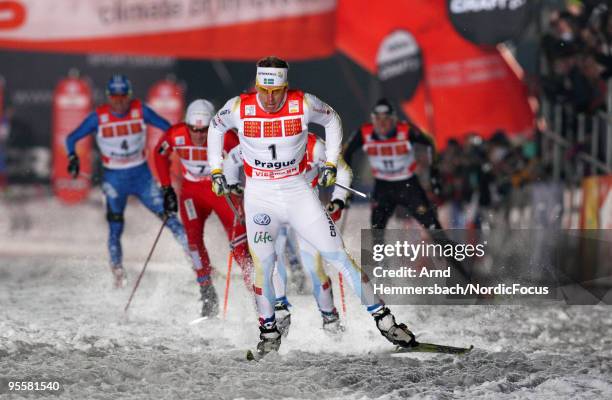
120 129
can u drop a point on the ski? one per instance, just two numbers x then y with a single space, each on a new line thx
433 348
198 320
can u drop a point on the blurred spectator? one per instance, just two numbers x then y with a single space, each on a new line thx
597 88
451 167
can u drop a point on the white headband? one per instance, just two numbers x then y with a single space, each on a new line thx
271 76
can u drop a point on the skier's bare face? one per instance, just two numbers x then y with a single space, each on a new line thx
119 104
271 97
383 123
198 134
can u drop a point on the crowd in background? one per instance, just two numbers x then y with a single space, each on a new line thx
477 177
577 49
575 75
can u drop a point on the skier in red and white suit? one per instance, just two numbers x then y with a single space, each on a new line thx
272 126
188 140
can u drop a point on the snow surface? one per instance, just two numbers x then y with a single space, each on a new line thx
59 318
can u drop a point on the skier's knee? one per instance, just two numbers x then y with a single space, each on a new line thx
114 217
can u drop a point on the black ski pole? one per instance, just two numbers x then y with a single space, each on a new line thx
146 263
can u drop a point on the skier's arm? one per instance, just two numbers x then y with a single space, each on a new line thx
152 118
354 143
322 114
417 136
344 177
231 166
221 123
161 156
88 126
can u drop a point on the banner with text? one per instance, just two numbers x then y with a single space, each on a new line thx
226 29
446 84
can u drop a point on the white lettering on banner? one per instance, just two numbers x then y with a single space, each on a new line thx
32 97
73 101
465 6
71 184
482 69
398 54
71 20
399 67
111 60
166 103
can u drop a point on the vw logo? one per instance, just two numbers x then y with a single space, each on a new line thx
261 219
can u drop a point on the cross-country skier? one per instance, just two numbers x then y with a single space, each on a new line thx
120 129
388 143
310 257
272 125
188 140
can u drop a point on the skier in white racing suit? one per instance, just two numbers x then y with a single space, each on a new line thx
309 256
272 125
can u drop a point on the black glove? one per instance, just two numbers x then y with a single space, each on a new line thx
170 201
237 189
73 165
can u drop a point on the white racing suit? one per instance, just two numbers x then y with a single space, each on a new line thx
310 257
276 193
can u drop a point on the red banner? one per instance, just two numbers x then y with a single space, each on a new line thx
463 88
167 99
230 30
72 102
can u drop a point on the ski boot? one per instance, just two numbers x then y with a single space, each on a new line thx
119 277
210 302
331 322
282 316
269 340
399 335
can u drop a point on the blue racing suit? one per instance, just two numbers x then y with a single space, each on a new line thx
120 182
